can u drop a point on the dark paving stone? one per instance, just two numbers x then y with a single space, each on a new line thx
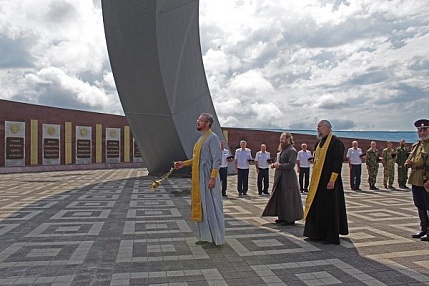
63 239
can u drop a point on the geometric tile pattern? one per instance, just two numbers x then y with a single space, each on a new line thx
106 227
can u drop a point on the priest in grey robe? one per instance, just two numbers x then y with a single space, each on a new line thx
206 196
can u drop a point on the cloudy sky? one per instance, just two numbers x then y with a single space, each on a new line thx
362 64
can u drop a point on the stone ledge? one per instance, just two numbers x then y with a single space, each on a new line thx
52 168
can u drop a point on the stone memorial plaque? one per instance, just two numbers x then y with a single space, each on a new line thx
14 143
137 155
51 147
83 145
113 145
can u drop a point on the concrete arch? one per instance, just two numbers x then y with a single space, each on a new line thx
155 54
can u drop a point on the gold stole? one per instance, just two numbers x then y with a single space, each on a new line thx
196 209
319 160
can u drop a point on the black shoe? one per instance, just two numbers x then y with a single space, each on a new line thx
260 193
419 234
287 222
201 242
266 193
392 187
424 238
209 245
278 221
329 242
375 188
405 187
306 190
371 187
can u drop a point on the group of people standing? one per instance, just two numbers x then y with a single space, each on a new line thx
243 159
373 157
325 211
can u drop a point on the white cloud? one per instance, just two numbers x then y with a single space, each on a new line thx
269 63
329 101
64 59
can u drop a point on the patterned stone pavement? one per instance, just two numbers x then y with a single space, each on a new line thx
106 227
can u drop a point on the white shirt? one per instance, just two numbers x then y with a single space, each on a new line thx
354 156
242 156
261 158
225 154
303 157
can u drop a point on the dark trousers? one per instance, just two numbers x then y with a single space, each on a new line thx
355 174
304 178
421 201
243 181
263 176
223 171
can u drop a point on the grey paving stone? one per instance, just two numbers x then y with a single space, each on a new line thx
106 227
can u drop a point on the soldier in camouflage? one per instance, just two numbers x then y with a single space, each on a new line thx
388 161
418 161
372 155
401 156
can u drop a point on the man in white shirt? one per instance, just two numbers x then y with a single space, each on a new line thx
223 171
354 155
261 163
303 164
242 157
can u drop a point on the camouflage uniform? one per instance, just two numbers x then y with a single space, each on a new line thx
401 157
372 165
389 166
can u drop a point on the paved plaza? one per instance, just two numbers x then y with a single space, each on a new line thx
106 227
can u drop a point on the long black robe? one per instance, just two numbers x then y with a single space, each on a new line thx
327 217
285 201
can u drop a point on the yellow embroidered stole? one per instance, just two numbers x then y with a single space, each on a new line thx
196 209
319 160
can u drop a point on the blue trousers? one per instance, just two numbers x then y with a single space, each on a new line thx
243 181
304 178
355 174
263 176
223 172
421 201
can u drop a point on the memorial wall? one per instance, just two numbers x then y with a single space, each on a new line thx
33 135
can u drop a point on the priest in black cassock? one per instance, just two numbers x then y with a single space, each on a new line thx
325 209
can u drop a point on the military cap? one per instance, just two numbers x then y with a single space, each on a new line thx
421 123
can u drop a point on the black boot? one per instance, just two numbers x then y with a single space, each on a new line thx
419 234
424 224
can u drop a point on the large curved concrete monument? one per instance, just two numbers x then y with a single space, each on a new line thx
155 54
